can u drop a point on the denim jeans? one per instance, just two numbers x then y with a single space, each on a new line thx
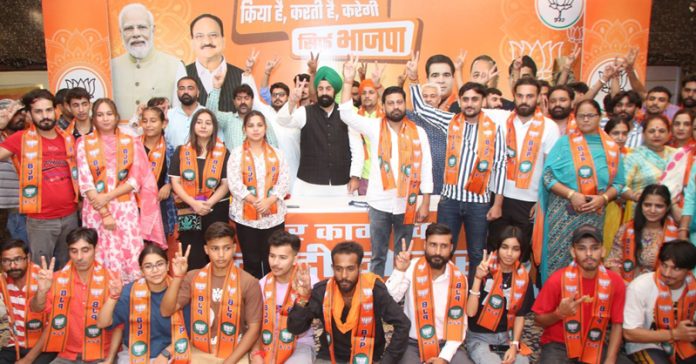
17 225
479 347
453 213
381 225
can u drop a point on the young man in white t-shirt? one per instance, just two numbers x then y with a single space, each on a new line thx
276 341
660 306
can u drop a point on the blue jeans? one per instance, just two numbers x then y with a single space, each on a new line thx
453 213
381 224
17 225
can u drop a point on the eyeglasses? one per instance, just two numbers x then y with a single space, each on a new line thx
586 116
149 268
17 260
201 36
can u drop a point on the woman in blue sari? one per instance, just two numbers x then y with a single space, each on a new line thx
582 174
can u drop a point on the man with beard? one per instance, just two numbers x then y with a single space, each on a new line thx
78 100
179 117
626 104
18 287
529 138
303 79
494 99
331 154
208 43
143 71
45 156
687 94
351 306
657 102
576 304
561 108
660 307
12 120
64 109
401 169
438 317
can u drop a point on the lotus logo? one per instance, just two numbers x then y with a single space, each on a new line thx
34 325
482 166
421 280
228 329
366 320
252 190
668 348
427 331
94 153
496 301
286 336
571 289
367 292
328 338
573 327
139 348
30 191
455 312
100 186
361 359
664 294
585 172
92 331
200 286
217 153
451 161
32 143
211 183
122 174
59 322
412 198
604 282
367 306
74 172
386 167
407 170
559 14
423 292
189 175
31 155
181 346
594 334
525 166
88 84
511 153
200 327
140 308
519 282
63 280
570 274
140 293
603 296
665 308
267 337
157 154
96 291
627 265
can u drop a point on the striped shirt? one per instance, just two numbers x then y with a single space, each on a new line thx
441 119
635 135
18 301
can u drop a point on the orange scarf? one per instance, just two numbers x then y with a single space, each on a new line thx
410 157
156 157
249 177
94 345
584 163
30 172
448 103
628 240
428 343
520 168
667 319
212 172
571 124
228 315
125 156
494 307
33 321
276 341
585 343
481 173
361 318
139 329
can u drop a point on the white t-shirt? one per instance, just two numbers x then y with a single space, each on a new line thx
548 139
639 310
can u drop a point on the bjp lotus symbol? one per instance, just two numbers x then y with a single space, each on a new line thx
560 6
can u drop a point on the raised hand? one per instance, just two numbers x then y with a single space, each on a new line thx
483 268
631 58
271 64
377 73
251 60
403 259
349 69
486 77
115 286
569 305
572 58
362 71
180 262
219 78
302 283
459 61
412 66
45 276
517 64
296 92
312 63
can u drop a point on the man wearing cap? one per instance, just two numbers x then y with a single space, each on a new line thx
331 154
576 304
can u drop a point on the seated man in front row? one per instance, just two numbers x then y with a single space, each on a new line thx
351 307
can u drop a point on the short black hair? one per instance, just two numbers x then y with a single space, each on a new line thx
209 16
60 95
527 61
282 237
301 77
36 94
186 78
579 87
151 248
14 243
687 79
527 81
568 90
348 247
661 89
544 83
393 90
493 91
280 85
681 252
437 229
476 87
77 93
219 230
633 98
608 103
356 83
243 89
438 58
82 233
613 122
591 102
156 101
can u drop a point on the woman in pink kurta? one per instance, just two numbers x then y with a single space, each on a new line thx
113 168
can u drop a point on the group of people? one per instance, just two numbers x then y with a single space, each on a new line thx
593 204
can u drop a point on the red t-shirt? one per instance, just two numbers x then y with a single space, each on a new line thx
57 194
550 297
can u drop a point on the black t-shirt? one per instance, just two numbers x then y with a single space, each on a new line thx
163 173
175 166
487 285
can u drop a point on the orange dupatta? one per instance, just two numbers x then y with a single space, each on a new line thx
628 240
410 157
584 163
494 306
156 157
249 177
361 319
520 168
481 173
212 171
667 319
428 344
125 155
276 341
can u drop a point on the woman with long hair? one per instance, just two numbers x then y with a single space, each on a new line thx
617 128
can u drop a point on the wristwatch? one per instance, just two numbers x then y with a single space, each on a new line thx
165 353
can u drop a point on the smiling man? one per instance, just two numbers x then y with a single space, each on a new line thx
142 72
